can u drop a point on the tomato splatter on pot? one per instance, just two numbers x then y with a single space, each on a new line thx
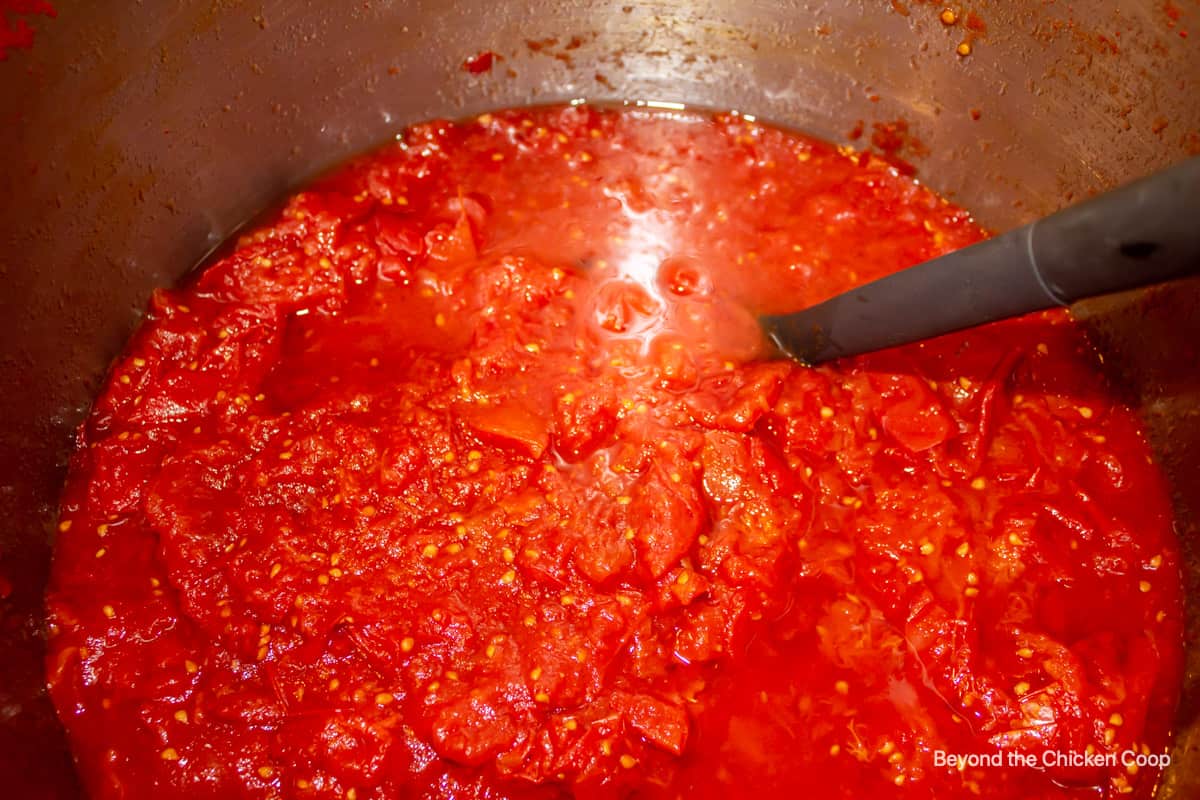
15 31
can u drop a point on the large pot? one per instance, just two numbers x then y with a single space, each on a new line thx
137 137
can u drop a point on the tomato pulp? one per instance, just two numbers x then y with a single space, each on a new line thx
467 474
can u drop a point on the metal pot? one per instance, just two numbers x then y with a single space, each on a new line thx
137 137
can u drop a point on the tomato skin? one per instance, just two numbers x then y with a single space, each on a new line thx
916 422
468 475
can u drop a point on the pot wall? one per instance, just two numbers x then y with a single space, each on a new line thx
137 138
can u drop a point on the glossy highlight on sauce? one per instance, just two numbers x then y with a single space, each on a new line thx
467 474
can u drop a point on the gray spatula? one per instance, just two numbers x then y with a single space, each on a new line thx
1143 233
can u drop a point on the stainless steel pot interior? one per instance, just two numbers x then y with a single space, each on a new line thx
137 137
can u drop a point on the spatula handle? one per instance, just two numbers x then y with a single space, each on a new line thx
1143 233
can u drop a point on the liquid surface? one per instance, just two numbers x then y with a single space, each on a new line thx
467 475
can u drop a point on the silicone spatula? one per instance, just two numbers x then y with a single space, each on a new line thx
1144 233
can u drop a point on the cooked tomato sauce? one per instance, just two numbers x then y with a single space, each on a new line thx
468 475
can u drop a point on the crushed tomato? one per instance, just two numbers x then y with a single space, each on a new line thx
467 475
